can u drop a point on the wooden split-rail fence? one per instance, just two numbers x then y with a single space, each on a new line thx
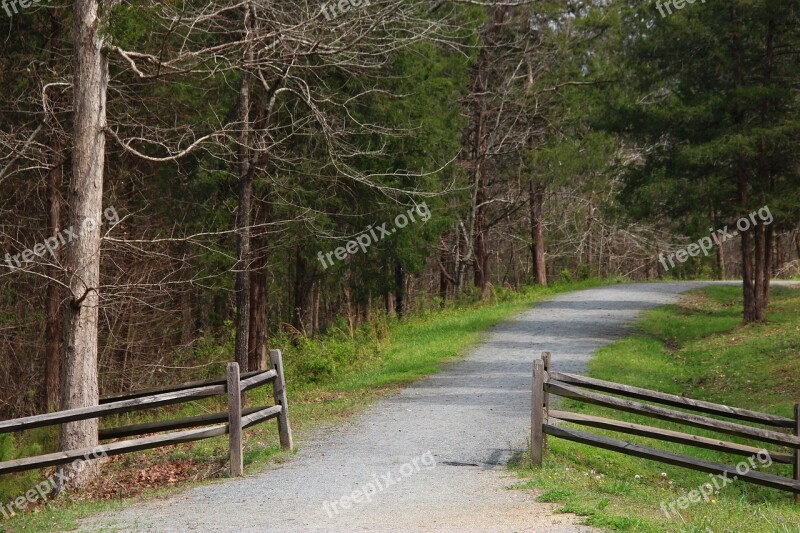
784 432
238 419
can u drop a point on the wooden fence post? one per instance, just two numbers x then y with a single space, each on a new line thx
537 412
547 359
235 419
797 451
279 387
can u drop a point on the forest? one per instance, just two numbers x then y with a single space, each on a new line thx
188 183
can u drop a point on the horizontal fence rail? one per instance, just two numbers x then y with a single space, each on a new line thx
124 406
236 419
666 435
170 425
547 382
173 388
116 448
636 450
673 400
662 413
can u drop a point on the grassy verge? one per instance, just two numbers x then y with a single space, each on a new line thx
328 378
700 349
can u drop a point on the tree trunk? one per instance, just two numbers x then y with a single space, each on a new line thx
302 293
242 288
759 274
187 317
459 262
796 238
348 301
748 292
537 232
480 247
53 314
257 358
444 279
765 281
779 260
748 288
52 364
259 295
764 233
315 307
79 366
399 288
388 302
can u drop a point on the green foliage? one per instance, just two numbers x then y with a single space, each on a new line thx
699 107
15 485
334 354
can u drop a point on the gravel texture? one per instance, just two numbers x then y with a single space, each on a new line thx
472 417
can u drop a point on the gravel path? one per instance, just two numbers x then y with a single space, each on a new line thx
430 458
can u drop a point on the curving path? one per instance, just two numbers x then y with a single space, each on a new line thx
430 458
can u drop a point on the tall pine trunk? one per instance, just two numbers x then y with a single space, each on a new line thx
764 233
748 287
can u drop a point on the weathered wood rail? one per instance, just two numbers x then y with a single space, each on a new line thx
547 382
237 418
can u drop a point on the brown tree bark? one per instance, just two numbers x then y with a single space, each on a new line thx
399 288
779 259
259 294
187 317
765 281
53 317
302 293
748 287
79 366
537 232
445 279
764 234
242 288
480 246
315 307
759 273
796 239
257 358
388 303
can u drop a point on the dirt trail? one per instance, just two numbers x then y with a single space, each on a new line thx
470 419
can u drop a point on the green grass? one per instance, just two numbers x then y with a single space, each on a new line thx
699 349
328 378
